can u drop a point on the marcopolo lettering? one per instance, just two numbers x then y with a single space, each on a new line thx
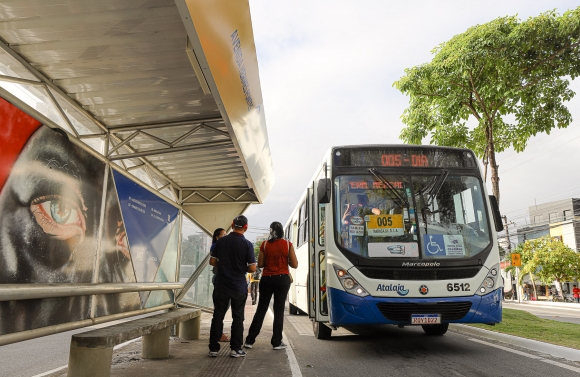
421 264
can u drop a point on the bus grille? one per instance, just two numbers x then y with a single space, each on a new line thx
412 274
402 312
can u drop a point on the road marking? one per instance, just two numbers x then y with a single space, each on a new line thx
50 371
561 365
294 367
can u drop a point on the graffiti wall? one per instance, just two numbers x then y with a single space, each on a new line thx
53 195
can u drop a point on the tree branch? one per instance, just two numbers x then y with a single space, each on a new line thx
551 57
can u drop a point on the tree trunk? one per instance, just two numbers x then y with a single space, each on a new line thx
534 285
559 288
485 160
492 163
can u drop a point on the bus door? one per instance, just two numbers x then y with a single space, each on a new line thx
318 309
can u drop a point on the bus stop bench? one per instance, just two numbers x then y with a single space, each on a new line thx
91 352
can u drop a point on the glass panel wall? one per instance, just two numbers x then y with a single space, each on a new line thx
195 246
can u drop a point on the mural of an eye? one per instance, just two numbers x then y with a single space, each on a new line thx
59 217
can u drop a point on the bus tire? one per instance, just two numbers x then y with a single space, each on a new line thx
321 331
293 309
435 329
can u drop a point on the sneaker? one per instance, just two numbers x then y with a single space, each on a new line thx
238 353
248 345
281 346
212 353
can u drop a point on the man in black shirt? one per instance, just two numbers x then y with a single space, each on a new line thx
233 255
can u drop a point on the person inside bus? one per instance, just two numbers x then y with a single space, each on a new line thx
276 254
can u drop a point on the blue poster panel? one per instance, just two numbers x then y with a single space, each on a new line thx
149 221
116 265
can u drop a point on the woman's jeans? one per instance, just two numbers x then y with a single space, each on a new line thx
270 285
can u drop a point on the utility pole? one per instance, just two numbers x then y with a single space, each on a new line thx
507 233
509 245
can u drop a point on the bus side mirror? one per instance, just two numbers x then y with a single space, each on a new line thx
496 214
323 190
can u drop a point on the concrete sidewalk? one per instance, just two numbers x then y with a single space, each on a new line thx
190 357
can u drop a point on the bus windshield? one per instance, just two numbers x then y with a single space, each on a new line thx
423 216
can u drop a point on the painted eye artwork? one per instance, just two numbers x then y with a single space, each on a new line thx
60 217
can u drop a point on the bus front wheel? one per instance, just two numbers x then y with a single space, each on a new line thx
321 331
435 329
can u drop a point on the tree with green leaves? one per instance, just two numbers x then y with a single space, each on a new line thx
257 249
526 254
510 76
550 260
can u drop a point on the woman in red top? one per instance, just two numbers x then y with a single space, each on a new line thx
276 254
576 293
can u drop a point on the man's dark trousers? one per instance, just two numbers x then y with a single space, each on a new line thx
220 304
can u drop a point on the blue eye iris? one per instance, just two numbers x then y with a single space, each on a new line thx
59 211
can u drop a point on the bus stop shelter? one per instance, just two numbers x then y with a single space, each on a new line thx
149 115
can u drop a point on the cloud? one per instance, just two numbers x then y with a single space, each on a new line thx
327 69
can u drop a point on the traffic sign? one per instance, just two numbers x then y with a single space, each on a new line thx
516 260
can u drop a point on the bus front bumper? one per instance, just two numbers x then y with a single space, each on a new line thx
348 309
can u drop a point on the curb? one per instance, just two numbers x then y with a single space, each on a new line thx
560 305
534 345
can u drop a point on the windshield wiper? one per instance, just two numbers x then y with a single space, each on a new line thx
432 189
401 200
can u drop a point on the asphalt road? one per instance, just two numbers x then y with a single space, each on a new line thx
390 351
555 313
367 351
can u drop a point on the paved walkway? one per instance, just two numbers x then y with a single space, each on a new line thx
189 357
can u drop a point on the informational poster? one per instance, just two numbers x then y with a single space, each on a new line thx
356 230
443 245
149 221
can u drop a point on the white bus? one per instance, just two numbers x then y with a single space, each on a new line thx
396 234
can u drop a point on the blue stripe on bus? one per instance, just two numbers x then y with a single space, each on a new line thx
348 309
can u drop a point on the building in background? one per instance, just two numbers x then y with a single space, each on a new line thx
559 219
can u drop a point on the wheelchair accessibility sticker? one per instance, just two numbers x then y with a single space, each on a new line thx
443 245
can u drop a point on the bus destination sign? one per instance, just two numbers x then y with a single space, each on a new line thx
404 157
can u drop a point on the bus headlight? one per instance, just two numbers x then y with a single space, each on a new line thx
489 282
349 283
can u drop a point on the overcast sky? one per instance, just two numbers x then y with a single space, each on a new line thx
327 69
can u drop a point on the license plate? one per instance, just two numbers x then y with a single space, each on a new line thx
425 319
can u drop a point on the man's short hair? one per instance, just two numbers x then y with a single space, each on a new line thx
240 221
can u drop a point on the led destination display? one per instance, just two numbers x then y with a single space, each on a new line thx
405 157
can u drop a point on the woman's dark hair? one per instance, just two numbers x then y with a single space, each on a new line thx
276 231
216 234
